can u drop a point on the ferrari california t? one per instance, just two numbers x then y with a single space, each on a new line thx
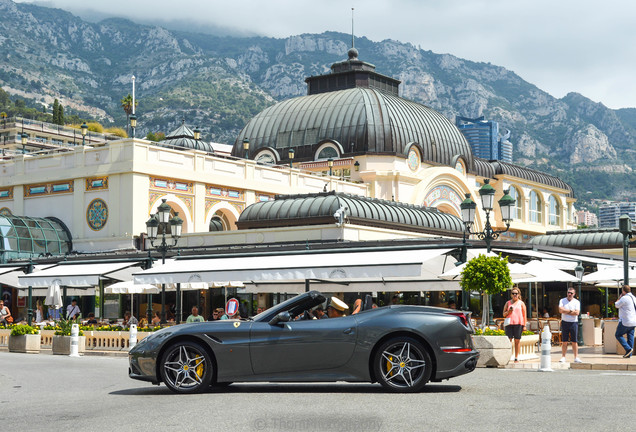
401 347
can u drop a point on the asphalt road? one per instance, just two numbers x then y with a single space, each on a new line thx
46 392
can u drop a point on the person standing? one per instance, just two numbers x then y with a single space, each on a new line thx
570 308
515 309
626 305
5 314
72 310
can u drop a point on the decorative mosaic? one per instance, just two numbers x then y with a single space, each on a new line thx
48 189
413 159
443 194
263 198
97 214
154 197
96 183
5 211
224 193
171 184
6 194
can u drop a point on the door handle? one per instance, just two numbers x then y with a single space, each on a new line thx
348 331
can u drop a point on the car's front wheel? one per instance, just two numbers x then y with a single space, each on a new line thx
402 365
186 368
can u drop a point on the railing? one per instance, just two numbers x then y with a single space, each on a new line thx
95 340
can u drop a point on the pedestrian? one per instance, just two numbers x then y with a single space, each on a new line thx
515 310
569 308
195 317
72 310
129 320
626 305
5 314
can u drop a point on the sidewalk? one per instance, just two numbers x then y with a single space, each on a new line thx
592 357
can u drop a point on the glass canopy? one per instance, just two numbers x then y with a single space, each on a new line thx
24 237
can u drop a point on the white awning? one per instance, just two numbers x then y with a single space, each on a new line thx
559 262
70 292
545 271
296 267
74 275
10 278
325 286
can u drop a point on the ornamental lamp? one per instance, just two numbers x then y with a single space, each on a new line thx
468 207
164 211
176 223
578 271
487 194
197 134
506 204
246 147
84 128
152 228
356 166
133 121
24 137
291 154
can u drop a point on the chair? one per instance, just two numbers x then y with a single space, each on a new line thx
555 330
534 326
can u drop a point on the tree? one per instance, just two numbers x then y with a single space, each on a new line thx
56 105
127 105
60 115
487 275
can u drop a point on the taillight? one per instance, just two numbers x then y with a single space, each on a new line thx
456 350
461 317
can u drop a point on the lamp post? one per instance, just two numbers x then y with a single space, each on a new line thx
330 165
356 166
291 154
4 119
24 138
197 134
84 131
625 228
468 207
578 272
246 147
163 220
133 124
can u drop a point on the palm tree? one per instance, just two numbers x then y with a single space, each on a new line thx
126 104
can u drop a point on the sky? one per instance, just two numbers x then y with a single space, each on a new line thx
560 46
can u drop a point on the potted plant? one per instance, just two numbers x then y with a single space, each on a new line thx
488 275
62 339
24 339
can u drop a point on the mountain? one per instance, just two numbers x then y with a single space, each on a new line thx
218 83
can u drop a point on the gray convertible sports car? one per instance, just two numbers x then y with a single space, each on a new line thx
402 347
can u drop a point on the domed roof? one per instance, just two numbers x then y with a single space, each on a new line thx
361 111
322 208
361 120
183 138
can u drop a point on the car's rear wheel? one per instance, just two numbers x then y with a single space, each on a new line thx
186 368
402 365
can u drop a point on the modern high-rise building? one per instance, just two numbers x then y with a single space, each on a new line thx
608 215
584 217
483 137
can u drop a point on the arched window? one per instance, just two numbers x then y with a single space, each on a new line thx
516 210
328 150
535 207
554 217
266 157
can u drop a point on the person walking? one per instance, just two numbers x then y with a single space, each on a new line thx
626 305
569 308
515 309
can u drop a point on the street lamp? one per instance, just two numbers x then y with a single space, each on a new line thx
330 165
578 272
162 220
487 194
468 207
84 131
246 147
625 228
133 124
4 119
291 154
24 137
197 134
356 166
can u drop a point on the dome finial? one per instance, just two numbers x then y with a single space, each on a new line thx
353 52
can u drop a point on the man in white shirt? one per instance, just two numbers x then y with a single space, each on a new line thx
626 305
72 310
570 308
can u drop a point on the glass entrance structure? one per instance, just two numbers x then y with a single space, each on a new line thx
22 237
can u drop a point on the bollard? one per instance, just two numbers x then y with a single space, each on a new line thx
546 347
133 336
74 341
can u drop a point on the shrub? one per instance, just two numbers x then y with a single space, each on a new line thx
64 327
22 329
117 131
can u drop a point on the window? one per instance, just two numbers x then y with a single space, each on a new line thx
516 209
328 150
554 217
266 157
535 207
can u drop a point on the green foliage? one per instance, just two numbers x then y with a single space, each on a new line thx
117 131
489 332
485 274
22 329
156 137
64 327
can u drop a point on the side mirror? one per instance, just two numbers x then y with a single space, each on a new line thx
281 317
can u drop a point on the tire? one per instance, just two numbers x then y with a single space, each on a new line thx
186 367
403 365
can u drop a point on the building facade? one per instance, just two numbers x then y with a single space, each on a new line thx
608 214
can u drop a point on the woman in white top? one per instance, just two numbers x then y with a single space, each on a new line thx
39 312
626 305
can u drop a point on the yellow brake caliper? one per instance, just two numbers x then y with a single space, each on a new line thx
200 368
389 366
